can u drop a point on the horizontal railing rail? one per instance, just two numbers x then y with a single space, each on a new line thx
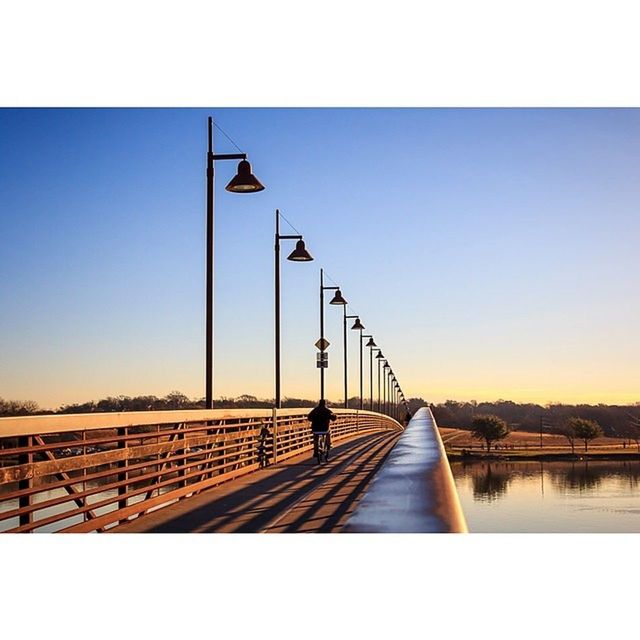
91 472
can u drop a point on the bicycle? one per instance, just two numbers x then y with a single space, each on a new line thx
322 446
262 446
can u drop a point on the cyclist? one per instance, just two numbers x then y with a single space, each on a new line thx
320 417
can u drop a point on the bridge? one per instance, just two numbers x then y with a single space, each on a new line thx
224 471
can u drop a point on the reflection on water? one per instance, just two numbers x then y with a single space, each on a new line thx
490 484
69 506
558 496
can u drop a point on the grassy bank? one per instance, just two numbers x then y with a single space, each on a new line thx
521 445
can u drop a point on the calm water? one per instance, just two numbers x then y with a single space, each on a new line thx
9 505
571 497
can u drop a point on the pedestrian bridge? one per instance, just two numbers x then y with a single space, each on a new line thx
223 471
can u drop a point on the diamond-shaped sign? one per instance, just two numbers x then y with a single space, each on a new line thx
322 344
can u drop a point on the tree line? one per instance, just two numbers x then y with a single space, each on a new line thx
172 401
614 420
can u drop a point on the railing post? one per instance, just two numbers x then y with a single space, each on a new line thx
274 422
183 452
27 483
123 476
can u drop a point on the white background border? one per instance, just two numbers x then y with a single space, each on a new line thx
250 53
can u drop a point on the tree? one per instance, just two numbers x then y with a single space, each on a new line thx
566 429
489 428
19 408
631 430
586 430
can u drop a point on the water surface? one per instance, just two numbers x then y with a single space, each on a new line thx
559 496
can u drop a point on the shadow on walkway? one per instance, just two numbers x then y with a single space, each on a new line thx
298 494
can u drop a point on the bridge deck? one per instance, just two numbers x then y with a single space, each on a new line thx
297 495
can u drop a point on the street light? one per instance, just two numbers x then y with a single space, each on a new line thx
356 325
386 368
388 390
243 182
379 358
392 393
395 398
299 254
337 299
369 344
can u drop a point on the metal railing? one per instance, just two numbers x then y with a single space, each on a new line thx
90 472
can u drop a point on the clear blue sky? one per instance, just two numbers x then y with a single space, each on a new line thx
492 252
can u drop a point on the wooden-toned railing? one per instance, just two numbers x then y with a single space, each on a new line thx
90 472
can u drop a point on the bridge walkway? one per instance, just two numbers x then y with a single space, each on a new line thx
297 495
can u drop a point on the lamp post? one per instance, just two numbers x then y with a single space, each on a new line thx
379 358
243 182
369 344
299 254
337 299
395 399
391 395
356 325
385 383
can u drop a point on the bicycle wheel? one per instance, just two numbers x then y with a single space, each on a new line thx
325 449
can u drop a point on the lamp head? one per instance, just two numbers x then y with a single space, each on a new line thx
337 298
371 343
300 253
379 356
244 181
357 324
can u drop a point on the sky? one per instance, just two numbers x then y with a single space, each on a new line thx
492 253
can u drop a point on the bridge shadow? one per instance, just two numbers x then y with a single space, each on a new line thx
251 503
358 475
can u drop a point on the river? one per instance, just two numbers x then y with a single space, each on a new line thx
558 496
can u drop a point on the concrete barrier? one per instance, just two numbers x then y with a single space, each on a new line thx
414 491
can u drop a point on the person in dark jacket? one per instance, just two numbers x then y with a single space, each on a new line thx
320 418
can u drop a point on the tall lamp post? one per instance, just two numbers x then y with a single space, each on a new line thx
393 396
356 325
392 379
243 182
395 399
370 344
379 358
337 299
385 383
299 254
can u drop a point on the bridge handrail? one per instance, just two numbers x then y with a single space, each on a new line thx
149 459
60 423
414 491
